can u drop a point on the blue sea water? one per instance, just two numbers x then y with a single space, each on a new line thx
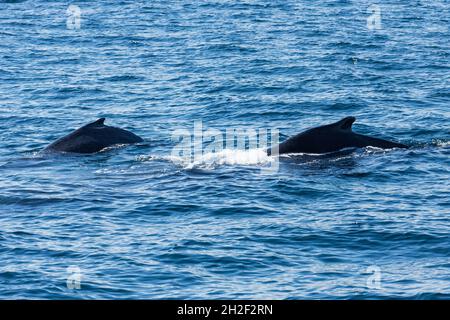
139 222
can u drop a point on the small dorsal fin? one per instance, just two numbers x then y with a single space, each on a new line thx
345 124
98 122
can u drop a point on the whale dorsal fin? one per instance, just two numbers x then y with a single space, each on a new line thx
99 122
345 124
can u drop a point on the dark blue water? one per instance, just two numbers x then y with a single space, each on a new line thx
139 222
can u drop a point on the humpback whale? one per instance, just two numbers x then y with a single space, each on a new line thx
93 137
331 138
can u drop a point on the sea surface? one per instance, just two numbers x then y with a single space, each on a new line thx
146 222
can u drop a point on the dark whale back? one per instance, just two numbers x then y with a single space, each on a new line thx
331 138
93 137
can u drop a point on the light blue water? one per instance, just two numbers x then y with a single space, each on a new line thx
136 222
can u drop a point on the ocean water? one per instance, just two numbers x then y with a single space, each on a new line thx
141 222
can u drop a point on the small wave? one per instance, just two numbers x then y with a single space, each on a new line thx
12 1
78 89
123 78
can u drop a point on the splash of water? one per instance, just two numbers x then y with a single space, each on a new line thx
230 157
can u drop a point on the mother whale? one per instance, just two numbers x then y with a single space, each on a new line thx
93 137
330 138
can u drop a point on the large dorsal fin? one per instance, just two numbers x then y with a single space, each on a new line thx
99 122
345 124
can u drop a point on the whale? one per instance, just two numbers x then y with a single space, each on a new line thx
330 138
92 138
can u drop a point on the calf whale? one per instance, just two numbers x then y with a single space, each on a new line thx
331 138
93 137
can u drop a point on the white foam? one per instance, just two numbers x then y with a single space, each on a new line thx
225 157
441 143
